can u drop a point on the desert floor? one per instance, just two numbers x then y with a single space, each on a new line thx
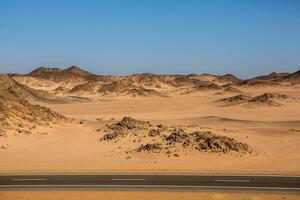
130 195
272 132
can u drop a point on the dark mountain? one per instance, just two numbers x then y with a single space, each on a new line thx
73 73
273 76
228 79
293 78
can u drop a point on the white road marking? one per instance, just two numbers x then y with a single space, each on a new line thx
227 180
128 179
29 179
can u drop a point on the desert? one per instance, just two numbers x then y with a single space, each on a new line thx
196 123
149 99
130 195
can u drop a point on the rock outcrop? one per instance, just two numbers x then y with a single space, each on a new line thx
170 140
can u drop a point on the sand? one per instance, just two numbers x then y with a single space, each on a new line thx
271 131
129 195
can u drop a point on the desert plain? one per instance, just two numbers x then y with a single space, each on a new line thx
70 120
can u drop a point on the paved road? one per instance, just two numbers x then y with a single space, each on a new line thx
200 181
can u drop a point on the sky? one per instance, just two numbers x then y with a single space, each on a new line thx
242 37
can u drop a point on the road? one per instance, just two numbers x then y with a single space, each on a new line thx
194 181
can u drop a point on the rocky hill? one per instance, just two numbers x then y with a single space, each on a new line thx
293 78
272 79
272 76
265 99
228 79
70 74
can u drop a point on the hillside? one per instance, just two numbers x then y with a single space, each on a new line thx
293 78
18 114
23 91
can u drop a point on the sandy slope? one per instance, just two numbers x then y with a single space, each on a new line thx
76 147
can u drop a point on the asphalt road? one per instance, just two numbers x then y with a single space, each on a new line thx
194 181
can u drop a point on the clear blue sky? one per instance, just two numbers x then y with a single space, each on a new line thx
244 37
